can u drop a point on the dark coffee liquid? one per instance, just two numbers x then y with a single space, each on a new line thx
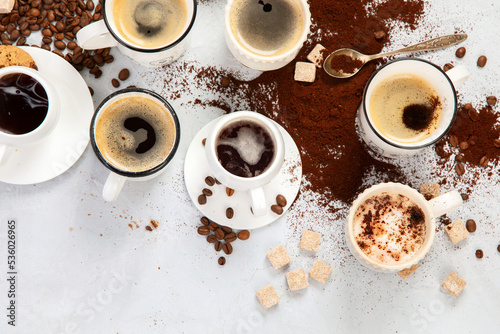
245 149
23 104
418 117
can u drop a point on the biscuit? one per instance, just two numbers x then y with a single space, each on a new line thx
13 56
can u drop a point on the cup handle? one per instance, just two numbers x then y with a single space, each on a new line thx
445 203
258 199
113 186
458 75
95 36
3 150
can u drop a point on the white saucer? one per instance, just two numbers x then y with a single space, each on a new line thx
286 183
65 144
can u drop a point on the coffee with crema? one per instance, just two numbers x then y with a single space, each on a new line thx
405 108
135 133
150 23
389 228
266 28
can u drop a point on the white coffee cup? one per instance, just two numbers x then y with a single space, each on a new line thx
432 209
262 62
254 185
10 141
117 177
445 84
104 34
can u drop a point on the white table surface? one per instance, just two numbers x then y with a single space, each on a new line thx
82 269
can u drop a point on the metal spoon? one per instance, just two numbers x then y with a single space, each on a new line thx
432 44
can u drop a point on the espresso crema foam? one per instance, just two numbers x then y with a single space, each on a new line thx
150 23
135 134
405 108
389 228
267 28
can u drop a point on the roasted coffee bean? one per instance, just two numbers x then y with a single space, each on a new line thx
219 234
205 221
116 84
467 106
6 42
222 260
227 248
460 158
453 141
46 40
90 5
460 169
60 45
229 191
230 237
218 246
484 161
90 88
447 67
225 82
217 181
71 45
59 53
109 59
23 26
481 61
473 114
21 41
203 230
491 100
229 213
472 140
210 181
471 225
149 228
98 58
464 145
460 53
213 226
281 200
26 32
496 143
202 199
124 74
204 141
34 12
498 248
479 254
207 192
45 47
465 197
94 70
59 36
277 209
379 34
226 229
69 36
211 238
15 35
244 235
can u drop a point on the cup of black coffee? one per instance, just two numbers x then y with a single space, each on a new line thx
134 133
29 108
245 151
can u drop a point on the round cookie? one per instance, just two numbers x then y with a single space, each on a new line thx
13 56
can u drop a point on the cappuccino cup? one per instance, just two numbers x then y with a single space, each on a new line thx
134 133
266 35
391 226
408 104
245 151
150 32
30 108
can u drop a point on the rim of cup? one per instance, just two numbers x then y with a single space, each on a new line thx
120 39
268 123
411 146
306 13
430 224
52 99
152 95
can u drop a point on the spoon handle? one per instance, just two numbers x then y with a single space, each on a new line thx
432 44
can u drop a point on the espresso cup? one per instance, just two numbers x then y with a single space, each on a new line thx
408 104
245 151
150 32
391 226
134 133
30 108
266 35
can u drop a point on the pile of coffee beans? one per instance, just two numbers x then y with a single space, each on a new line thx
221 236
58 21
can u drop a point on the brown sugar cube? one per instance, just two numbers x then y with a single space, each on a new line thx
310 240
278 257
305 72
408 271
316 55
6 6
430 190
268 296
456 231
297 280
320 271
453 284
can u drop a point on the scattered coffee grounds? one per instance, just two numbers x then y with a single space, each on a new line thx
471 225
418 116
345 64
479 254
